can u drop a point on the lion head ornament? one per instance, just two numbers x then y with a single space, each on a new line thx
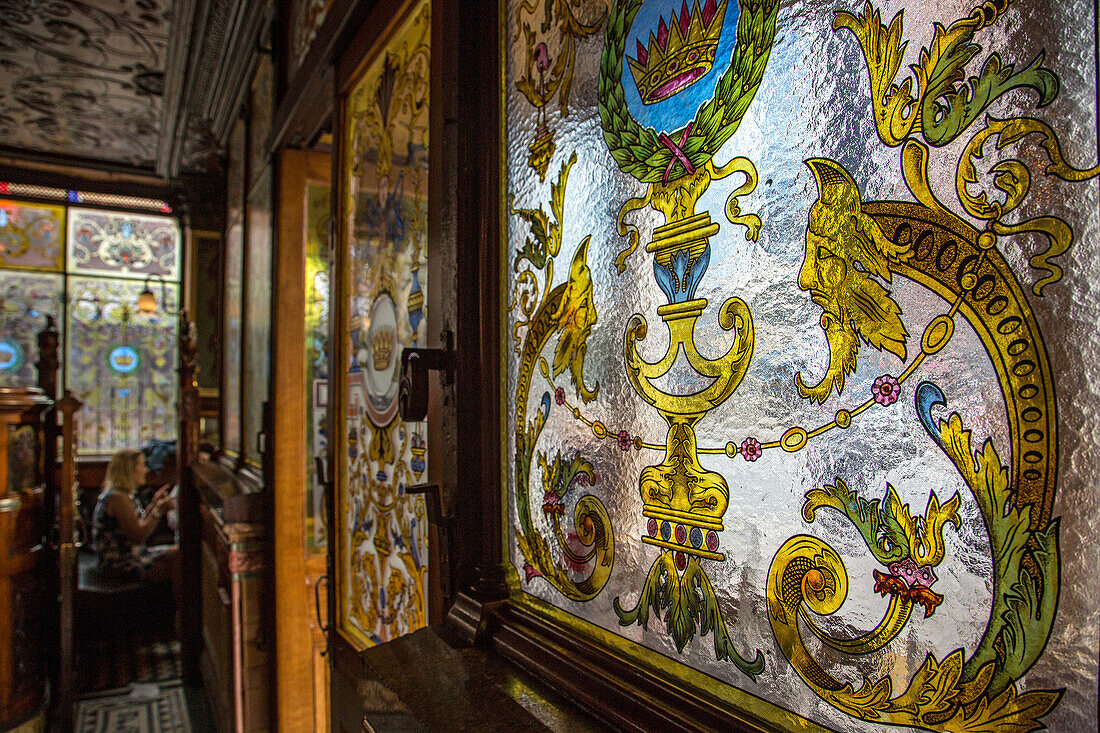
846 256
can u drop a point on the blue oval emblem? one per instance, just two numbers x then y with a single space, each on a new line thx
123 359
11 356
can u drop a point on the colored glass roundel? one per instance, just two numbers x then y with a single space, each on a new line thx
793 306
11 355
123 359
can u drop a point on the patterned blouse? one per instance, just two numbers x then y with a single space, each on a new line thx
116 553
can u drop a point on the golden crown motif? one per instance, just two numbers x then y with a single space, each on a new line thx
681 52
381 346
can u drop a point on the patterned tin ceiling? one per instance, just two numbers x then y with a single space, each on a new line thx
84 79
145 84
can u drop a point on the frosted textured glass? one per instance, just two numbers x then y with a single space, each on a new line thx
801 349
384 530
232 309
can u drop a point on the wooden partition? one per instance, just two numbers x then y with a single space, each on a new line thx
59 526
299 667
189 523
22 555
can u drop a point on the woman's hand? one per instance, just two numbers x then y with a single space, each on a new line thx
160 495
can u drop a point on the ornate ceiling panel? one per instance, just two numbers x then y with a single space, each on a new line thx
84 78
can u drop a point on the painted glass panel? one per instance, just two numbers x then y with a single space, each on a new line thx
235 173
123 244
231 364
257 315
384 531
31 235
796 325
318 218
25 301
121 364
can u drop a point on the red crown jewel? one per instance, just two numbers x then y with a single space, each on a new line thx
681 52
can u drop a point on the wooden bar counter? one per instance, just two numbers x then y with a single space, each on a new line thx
235 650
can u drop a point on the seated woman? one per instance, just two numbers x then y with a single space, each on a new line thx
120 526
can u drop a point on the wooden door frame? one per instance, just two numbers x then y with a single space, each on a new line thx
465 227
295 169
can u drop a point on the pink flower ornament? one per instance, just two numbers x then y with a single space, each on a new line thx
751 449
886 390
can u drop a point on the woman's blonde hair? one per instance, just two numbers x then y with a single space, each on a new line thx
122 470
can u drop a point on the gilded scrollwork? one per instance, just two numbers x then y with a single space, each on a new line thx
858 594
551 52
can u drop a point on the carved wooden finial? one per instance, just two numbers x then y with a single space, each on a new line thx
48 362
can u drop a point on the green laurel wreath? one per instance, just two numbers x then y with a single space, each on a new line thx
639 151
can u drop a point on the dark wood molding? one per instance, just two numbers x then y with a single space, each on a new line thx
620 691
374 20
186 35
306 108
43 169
190 529
235 65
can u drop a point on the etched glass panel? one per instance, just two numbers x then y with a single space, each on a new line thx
318 218
31 235
799 323
25 301
123 244
231 360
257 315
384 551
121 364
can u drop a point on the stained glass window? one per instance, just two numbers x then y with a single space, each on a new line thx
383 562
25 301
31 235
121 363
318 218
123 244
796 296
